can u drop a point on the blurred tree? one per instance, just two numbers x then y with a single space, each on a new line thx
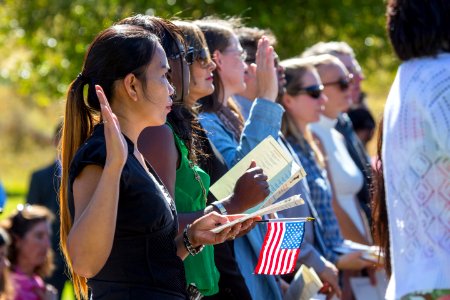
43 41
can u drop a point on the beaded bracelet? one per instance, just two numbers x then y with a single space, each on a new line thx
192 251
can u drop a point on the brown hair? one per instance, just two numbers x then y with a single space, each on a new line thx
249 37
295 69
217 33
114 53
380 225
19 224
418 28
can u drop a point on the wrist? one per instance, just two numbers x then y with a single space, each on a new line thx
220 207
189 242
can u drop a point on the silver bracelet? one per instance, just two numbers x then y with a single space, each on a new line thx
220 207
187 243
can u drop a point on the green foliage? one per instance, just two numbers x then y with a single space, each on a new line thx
44 40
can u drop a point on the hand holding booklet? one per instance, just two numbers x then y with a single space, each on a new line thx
280 168
285 204
371 253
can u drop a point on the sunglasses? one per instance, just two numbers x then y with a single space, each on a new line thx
201 55
314 91
343 83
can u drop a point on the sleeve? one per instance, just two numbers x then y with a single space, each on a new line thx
219 136
311 257
93 152
264 120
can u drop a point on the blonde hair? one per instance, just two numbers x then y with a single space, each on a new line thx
333 48
323 61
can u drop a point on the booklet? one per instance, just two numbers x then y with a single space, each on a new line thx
305 285
285 204
371 253
282 172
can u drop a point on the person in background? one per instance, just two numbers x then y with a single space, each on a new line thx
416 150
358 153
312 246
6 287
223 121
43 190
363 123
345 177
30 252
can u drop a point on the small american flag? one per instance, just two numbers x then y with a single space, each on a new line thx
281 248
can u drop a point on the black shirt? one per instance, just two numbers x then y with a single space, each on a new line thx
143 263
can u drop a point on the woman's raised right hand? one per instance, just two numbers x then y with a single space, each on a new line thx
116 146
266 74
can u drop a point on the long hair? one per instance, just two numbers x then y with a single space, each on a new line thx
418 28
19 224
218 34
114 53
294 70
380 225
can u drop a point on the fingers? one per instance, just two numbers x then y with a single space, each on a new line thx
252 165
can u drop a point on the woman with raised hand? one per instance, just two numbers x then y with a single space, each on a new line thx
220 115
118 224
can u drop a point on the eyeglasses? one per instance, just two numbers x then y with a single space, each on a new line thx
242 53
344 83
200 55
314 91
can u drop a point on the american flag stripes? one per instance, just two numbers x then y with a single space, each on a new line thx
281 248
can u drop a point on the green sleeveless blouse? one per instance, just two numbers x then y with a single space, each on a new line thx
200 269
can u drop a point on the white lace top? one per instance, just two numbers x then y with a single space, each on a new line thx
416 156
345 175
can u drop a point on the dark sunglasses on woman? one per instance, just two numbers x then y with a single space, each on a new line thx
343 83
201 55
314 91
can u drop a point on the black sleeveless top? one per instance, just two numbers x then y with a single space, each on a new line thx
143 263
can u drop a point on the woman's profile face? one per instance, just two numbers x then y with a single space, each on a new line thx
157 91
232 66
179 71
339 98
304 107
33 247
202 68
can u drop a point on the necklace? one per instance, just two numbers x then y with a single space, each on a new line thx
199 179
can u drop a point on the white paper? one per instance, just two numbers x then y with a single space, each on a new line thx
282 205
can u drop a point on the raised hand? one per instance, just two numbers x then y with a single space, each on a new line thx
116 146
266 75
250 189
